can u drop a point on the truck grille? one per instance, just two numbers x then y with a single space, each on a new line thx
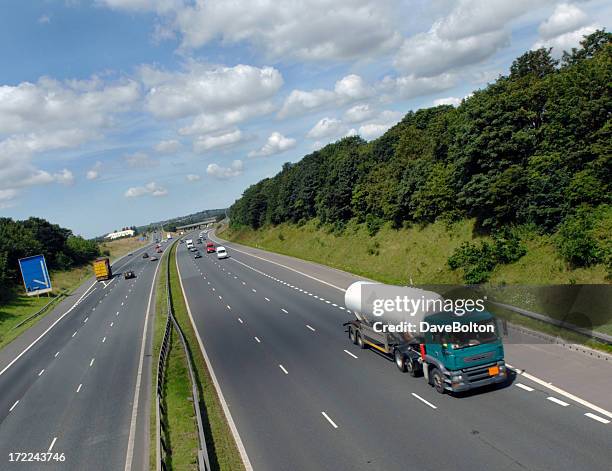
478 357
476 373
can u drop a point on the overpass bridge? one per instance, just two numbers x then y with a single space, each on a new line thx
196 225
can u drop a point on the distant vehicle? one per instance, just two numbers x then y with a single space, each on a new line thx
210 248
189 243
129 274
102 269
221 252
145 255
159 250
153 259
198 255
130 254
168 236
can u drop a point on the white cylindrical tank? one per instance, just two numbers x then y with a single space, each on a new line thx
365 299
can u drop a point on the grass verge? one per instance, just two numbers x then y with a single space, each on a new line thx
222 450
19 307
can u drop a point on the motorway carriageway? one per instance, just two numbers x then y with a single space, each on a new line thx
304 398
73 391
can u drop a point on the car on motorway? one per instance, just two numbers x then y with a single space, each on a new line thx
198 255
210 247
221 252
129 274
159 250
145 255
153 259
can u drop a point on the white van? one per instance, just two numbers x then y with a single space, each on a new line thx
189 243
221 252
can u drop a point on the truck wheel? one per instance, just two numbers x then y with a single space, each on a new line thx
411 367
400 361
352 335
360 341
437 380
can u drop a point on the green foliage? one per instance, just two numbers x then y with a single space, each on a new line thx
34 236
478 261
584 238
526 150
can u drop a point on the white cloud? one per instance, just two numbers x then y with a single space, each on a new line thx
228 139
94 172
451 100
224 173
377 126
167 147
346 90
471 18
211 122
151 188
50 105
44 19
140 160
358 113
408 86
193 177
327 127
65 177
566 18
305 30
202 89
275 144
430 54
564 29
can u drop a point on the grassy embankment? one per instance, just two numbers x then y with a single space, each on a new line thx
222 450
19 306
420 254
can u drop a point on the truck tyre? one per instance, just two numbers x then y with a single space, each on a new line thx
437 380
400 361
360 341
412 367
352 335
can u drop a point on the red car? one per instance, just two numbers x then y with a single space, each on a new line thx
210 247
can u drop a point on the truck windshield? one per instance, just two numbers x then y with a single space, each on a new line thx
459 340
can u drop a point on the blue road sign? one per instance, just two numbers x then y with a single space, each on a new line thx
35 275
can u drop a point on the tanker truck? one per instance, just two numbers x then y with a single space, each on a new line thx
426 336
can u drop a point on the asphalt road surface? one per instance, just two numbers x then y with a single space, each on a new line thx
73 391
304 398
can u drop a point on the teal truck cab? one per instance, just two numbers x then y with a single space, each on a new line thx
454 353
460 361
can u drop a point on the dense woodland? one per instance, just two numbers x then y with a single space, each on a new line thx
61 248
530 152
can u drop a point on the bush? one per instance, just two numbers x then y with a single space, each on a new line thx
373 224
583 239
478 261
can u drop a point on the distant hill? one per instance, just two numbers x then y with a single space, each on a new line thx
171 224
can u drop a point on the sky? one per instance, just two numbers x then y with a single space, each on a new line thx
116 113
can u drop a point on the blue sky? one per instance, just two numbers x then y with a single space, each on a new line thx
123 112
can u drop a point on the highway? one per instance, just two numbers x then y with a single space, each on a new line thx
73 391
303 397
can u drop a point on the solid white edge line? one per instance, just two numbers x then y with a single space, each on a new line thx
226 411
561 391
597 418
333 424
557 401
132 437
424 401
